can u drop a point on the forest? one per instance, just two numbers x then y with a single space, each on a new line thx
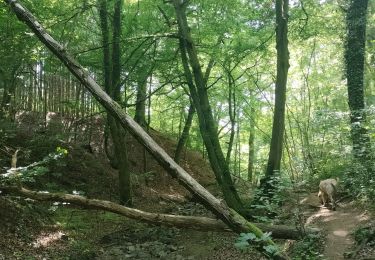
187 129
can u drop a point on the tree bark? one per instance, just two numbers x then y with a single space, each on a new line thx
276 148
229 216
354 60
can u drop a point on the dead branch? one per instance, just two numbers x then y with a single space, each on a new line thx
189 222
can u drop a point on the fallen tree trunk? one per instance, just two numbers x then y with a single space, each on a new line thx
190 222
229 216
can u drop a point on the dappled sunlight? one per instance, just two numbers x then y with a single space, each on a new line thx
338 226
340 233
45 239
323 213
329 218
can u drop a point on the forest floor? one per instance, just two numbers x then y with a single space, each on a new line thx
43 230
338 227
35 230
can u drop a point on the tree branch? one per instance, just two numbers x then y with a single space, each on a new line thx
189 222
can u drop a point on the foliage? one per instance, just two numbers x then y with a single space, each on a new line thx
267 208
238 36
28 173
246 240
358 183
365 234
309 248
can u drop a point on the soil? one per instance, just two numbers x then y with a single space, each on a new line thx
338 226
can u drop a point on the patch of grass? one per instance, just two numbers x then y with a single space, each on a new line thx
85 220
85 228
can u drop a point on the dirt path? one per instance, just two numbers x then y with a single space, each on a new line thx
338 225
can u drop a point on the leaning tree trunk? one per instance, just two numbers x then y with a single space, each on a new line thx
276 148
354 60
208 126
230 217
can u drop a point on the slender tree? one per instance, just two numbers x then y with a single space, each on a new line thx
9 84
112 81
251 160
276 148
232 114
185 134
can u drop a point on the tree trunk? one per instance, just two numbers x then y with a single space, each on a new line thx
140 107
276 148
230 217
113 88
185 134
232 116
207 124
354 60
9 91
250 168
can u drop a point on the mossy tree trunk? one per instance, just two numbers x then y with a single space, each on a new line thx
354 60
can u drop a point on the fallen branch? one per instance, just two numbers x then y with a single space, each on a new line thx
190 222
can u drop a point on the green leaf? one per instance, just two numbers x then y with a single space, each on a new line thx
271 249
241 244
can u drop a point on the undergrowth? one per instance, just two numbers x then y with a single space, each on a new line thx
309 248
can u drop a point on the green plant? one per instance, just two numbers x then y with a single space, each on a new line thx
365 234
268 205
309 248
28 173
248 240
